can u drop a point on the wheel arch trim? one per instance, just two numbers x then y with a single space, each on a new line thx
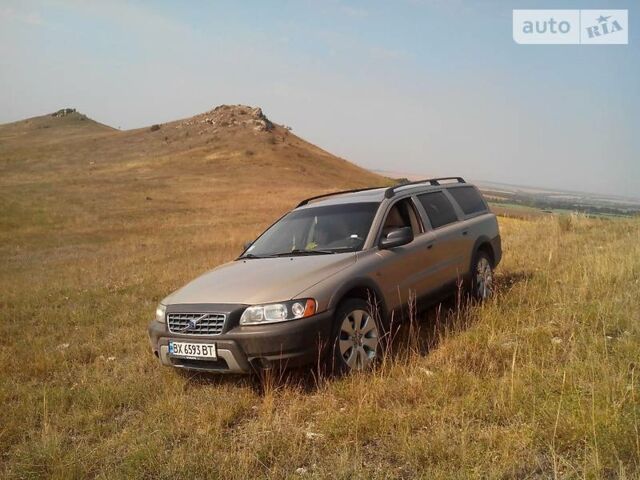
358 283
482 242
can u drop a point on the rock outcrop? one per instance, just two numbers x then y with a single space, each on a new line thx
63 112
230 116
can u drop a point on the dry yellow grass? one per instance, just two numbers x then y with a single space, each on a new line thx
540 382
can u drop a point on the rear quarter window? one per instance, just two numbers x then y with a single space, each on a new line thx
469 199
438 208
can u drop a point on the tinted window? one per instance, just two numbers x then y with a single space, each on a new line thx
469 199
439 208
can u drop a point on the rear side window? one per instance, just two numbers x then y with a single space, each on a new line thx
469 199
438 208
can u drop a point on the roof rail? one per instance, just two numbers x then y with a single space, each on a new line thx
391 191
388 193
317 197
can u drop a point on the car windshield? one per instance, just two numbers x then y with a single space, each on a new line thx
316 231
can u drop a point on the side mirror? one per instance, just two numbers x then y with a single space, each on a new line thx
397 237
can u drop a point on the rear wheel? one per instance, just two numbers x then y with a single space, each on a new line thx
356 339
482 277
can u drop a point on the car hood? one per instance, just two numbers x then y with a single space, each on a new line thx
260 280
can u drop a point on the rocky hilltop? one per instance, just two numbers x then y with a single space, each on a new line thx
224 116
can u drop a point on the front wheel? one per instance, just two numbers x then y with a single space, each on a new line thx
482 277
356 337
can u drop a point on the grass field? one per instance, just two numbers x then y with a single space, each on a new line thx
540 382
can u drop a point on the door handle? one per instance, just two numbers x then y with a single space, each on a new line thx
430 246
464 232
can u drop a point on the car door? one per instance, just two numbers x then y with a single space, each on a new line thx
448 250
399 269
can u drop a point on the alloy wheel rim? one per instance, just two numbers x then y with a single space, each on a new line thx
358 340
484 279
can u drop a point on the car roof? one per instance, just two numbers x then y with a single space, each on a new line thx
365 196
379 194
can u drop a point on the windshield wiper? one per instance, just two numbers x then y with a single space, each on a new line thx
251 255
298 251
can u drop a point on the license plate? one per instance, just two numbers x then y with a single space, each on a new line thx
193 350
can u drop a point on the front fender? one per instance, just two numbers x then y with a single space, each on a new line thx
359 283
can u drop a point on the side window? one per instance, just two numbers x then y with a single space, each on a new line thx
469 199
401 214
438 208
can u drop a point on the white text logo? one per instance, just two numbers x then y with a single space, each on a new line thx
556 27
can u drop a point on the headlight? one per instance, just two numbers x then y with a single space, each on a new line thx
278 312
161 310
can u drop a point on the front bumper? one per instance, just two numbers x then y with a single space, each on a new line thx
241 349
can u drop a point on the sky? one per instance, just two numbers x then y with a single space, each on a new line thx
434 87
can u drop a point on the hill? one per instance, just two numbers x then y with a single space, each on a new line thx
52 128
225 167
97 227
221 140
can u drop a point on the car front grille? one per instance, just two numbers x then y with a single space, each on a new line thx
196 323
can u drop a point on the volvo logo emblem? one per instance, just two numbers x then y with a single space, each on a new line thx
193 323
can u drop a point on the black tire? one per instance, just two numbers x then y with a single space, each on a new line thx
359 348
481 284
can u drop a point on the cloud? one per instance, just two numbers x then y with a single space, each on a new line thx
128 14
10 14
